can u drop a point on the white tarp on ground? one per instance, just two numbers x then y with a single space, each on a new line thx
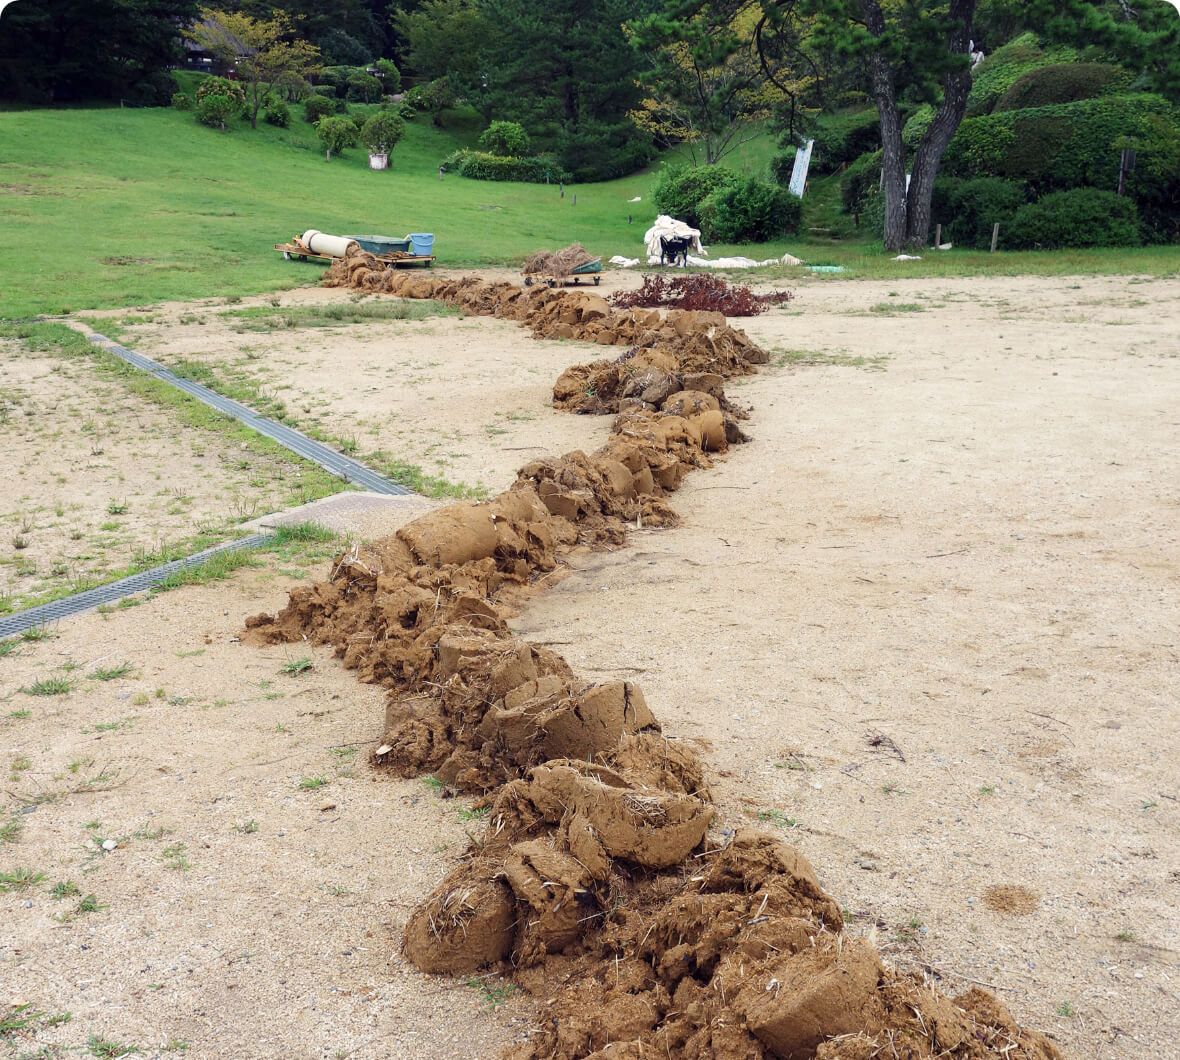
669 228
710 263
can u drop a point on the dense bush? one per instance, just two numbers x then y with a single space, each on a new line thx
916 126
967 209
594 150
317 107
391 78
860 179
181 101
782 166
277 114
680 192
340 47
844 137
215 110
363 88
219 86
382 131
1005 66
1072 144
505 138
749 211
1081 217
1063 83
480 165
336 134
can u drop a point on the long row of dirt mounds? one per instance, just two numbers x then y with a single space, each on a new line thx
597 883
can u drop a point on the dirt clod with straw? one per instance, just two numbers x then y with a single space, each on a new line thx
558 263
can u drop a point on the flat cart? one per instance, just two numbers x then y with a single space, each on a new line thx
588 269
297 251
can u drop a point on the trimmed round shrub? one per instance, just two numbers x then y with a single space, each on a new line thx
364 88
481 165
1082 217
382 131
680 192
967 209
181 101
1062 83
860 179
1006 65
506 138
317 107
750 210
782 166
843 138
215 110
277 113
391 78
219 86
336 134
915 128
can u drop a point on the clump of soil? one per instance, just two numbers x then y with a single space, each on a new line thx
596 882
699 291
1011 898
557 263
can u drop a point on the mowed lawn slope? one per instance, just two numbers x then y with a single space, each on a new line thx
119 207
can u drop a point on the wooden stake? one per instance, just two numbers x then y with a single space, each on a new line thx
995 235
937 236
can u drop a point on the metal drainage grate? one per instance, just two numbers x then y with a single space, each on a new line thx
326 457
114 591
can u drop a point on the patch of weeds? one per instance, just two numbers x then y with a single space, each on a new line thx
217 567
141 699
493 994
336 314
477 814
102 1047
176 857
64 889
1066 1009
49 686
18 1018
312 783
247 827
111 673
41 632
20 715
820 358
776 818
19 879
155 833
117 507
1126 935
9 646
295 667
890 308
987 789
90 904
434 784
11 827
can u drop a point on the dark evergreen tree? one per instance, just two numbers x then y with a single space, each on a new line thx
61 51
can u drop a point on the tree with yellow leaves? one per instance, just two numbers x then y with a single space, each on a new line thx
263 52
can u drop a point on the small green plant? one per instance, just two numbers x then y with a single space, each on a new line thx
64 889
39 632
117 507
9 646
109 1050
295 667
987 789
247 827
111 673
434 784
19 879
90 904
15 1018
477 814
11 827
176 857
1126 935
776 818
49 686
1066 1009
312 783
493 994
21 714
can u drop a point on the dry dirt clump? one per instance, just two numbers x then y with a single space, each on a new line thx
558 263
596 882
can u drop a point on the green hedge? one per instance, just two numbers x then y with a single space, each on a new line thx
1072 144
1005 66
967 209
750 210
1082 217
481 165
1063 83
842 138
680 192
860 180
316 107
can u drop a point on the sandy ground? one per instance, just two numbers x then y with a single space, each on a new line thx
96 475
926 622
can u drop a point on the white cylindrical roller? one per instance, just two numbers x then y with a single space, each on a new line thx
322 243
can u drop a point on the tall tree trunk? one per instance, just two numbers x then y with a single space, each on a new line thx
956 86
893 150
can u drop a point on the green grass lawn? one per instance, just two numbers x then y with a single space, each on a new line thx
111 207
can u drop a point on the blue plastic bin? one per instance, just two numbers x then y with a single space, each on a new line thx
423 243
